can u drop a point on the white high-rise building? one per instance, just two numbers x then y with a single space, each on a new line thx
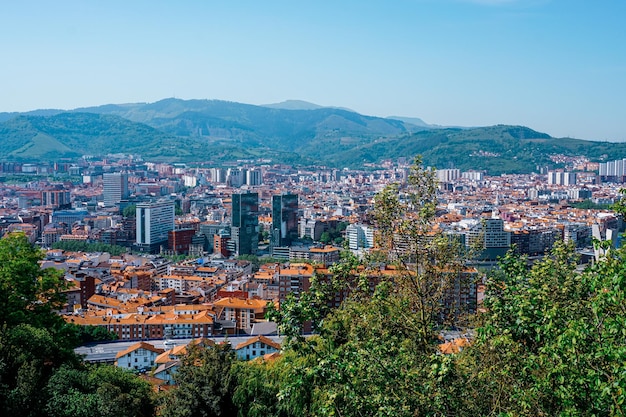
360 236
115 188
154 221
447 175
561 178
254 177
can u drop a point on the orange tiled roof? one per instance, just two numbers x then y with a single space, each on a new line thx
139 345
262 339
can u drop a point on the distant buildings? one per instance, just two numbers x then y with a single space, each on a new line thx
613 171
561 178
489 236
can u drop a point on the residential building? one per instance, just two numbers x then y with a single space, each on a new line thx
139 357
255 347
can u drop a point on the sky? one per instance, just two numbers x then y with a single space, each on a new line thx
557 66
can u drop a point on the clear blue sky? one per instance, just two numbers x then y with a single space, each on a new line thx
558 66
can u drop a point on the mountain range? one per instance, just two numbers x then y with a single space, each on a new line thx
296 132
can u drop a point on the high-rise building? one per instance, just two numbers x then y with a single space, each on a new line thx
561 178
154 221
360 236
115 188
245 223
284 219
254 177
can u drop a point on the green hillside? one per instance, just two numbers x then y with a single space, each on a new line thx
219 131
254 125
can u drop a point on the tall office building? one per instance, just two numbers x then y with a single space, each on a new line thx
284 219
115 188
245 223
154 221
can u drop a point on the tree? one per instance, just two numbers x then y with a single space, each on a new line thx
428 264
28 294
325 237
375 355
28 357
552 341
130 210
205 384
98 390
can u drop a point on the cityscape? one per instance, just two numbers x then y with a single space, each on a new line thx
313 209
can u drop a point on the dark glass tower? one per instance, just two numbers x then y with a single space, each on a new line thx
245 223
284 219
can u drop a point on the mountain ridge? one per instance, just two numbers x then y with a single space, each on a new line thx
217 131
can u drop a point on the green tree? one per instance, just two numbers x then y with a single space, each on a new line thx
205 384
552 341
28 357
101 390
130 211
376 354
28 294
325 237
428 264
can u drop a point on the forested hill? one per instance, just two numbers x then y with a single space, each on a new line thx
218 131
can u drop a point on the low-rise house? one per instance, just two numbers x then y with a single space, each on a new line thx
140 357
255 347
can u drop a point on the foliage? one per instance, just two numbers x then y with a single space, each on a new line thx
205 384
376 354
100 390
130 210
428 265
552 342
588 204
259 385
39 374
89 334
28 357
334 234
78 246
28 294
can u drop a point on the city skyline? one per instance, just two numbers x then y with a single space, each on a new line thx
554 66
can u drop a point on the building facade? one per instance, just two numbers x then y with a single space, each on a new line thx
154 221
245 223
115 188
284 219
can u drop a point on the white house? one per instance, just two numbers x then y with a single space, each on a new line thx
255 347
139 356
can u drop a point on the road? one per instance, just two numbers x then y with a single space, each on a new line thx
105 352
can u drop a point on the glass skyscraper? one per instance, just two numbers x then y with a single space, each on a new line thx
284 219
245 223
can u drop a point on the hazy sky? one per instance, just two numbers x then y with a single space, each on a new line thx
556 66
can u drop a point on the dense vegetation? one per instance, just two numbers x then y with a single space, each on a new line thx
215 131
